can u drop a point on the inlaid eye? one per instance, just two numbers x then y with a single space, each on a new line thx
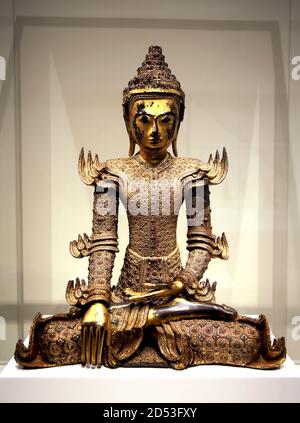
166 119
145 119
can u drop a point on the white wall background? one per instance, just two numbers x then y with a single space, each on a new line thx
73 60
293 280
10 324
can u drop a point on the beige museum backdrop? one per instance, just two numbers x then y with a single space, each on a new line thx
67 64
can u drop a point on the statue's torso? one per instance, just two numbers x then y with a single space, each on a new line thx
152 196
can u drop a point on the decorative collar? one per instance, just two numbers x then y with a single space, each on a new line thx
160 167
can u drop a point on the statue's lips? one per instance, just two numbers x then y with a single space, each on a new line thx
155 140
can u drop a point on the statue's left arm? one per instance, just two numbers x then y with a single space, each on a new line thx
199 235
201 243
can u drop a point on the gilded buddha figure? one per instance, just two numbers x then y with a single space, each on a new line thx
160 313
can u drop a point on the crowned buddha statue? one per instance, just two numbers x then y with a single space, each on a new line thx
160 313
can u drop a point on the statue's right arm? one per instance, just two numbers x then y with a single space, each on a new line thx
103 248
104 242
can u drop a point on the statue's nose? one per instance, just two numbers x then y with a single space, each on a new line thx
154 132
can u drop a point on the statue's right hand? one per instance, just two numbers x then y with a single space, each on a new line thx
93 333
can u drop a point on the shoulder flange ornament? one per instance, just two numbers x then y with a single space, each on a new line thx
215 170
89 170
211 173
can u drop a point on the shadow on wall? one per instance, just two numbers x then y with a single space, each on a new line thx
2 329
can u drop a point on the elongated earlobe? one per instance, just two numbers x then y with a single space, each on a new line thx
131 147
174 147
131 139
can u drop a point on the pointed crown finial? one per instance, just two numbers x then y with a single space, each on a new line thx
153 77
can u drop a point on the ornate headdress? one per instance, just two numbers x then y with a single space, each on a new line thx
153 78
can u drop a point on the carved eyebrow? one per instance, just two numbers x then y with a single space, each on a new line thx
149 114
168 113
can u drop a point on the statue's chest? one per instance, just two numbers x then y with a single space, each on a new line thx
150 191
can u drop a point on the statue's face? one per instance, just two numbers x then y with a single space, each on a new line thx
154 123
